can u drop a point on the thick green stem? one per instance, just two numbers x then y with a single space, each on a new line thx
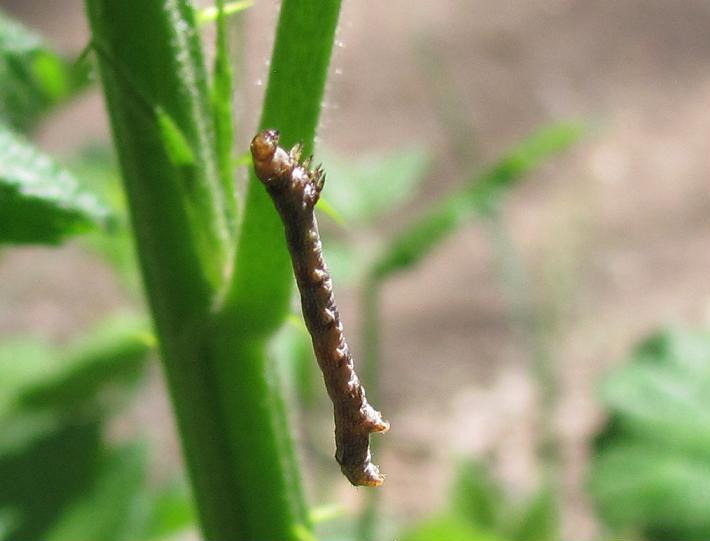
239 459
143 43
231 420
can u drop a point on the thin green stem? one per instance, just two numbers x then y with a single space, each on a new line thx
258 301
298 72
530 322
221 101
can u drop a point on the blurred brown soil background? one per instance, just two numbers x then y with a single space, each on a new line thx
615 235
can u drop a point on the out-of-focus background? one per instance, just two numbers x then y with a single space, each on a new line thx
494 347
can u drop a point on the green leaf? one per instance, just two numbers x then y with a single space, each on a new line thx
661 492
364 189
650 473
211 14
114 507
39 201
23 362
15 38
96 170
121 504
329 210
112 355
327 512
538 520
476 496
447 528
52 410
9 520
41 388
34 78
21 428
479 196
40 479
172 511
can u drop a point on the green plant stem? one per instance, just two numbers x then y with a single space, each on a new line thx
240 463
221 98
258 301
531 323
174 268
298 72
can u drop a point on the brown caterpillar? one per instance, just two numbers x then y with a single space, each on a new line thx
295 189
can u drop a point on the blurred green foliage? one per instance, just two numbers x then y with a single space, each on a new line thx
39 201
365 188
449 527
33 78
476 495
121 504
650 474
96 170
53 414
480 195
362 190
480 509
211 13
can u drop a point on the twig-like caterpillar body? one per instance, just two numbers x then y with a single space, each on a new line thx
295 189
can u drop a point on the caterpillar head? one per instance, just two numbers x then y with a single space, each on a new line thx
270 161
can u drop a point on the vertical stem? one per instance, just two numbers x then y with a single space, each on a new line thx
257 302
222 114
531 323
258 299
298 72
236 448
176 282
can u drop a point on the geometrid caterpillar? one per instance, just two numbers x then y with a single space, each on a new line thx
295 189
